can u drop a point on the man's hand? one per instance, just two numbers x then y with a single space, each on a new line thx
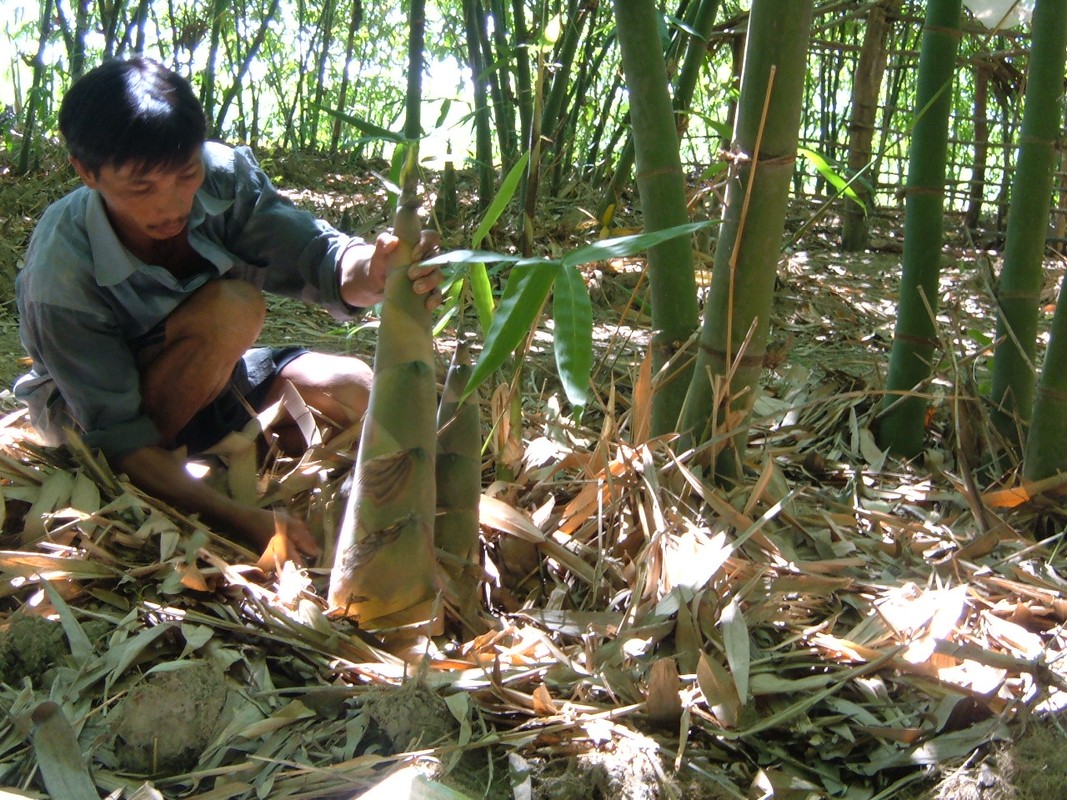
291 541
279 537
282 538
363 269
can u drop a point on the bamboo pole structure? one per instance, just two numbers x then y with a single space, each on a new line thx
902 424
1019 292
733 337
659 178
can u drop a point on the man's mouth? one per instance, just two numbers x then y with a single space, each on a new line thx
167 229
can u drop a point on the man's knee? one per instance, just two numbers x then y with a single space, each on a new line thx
229 312
337 386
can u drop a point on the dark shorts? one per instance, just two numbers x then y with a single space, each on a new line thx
249 385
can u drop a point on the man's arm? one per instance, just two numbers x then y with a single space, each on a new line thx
161 474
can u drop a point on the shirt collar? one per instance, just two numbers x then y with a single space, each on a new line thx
113 263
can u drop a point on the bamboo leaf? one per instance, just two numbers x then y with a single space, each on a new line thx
59 756
664 705
500 202
623 246
720 693
481 290
54 493
471 257
572 338
524 295
120 656
49 567
80 646
832 176
736 641
482 295
369 128
294 712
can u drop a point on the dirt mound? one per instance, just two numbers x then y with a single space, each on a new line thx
164 724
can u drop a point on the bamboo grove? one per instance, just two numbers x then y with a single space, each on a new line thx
713 111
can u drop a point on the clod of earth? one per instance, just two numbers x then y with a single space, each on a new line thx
411 716
30 647
163 725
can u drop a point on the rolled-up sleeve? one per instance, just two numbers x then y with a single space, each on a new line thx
94 371
295 253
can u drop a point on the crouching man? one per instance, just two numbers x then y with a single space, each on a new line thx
141 298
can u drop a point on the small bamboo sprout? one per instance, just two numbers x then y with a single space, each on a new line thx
459 464
385 572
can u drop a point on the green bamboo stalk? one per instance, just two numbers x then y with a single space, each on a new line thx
416 67
902 422
733 337
1045 451
1019 291
482 124
384 572
662 188
36 94
866 87
696 51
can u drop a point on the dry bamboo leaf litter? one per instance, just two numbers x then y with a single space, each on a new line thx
885 628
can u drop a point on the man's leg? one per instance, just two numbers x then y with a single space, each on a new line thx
338 387
204 338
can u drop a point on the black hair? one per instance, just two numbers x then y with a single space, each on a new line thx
135 111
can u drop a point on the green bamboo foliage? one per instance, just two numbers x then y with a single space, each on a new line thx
733 338
902 422
662 187
1019 291
384 572
459 476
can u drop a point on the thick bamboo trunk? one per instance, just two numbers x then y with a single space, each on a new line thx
661 183
384 573
733 338
1019 290
902 424
866 87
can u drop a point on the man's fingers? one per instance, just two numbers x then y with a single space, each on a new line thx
434 299
279 550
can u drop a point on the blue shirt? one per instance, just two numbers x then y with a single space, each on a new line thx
83 297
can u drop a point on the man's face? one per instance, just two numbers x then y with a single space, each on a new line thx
146 206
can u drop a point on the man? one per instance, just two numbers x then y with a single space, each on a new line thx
141 297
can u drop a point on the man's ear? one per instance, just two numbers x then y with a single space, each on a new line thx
88 178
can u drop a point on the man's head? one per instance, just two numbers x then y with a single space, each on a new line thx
135 132
135 113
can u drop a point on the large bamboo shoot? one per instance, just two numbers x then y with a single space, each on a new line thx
384 573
